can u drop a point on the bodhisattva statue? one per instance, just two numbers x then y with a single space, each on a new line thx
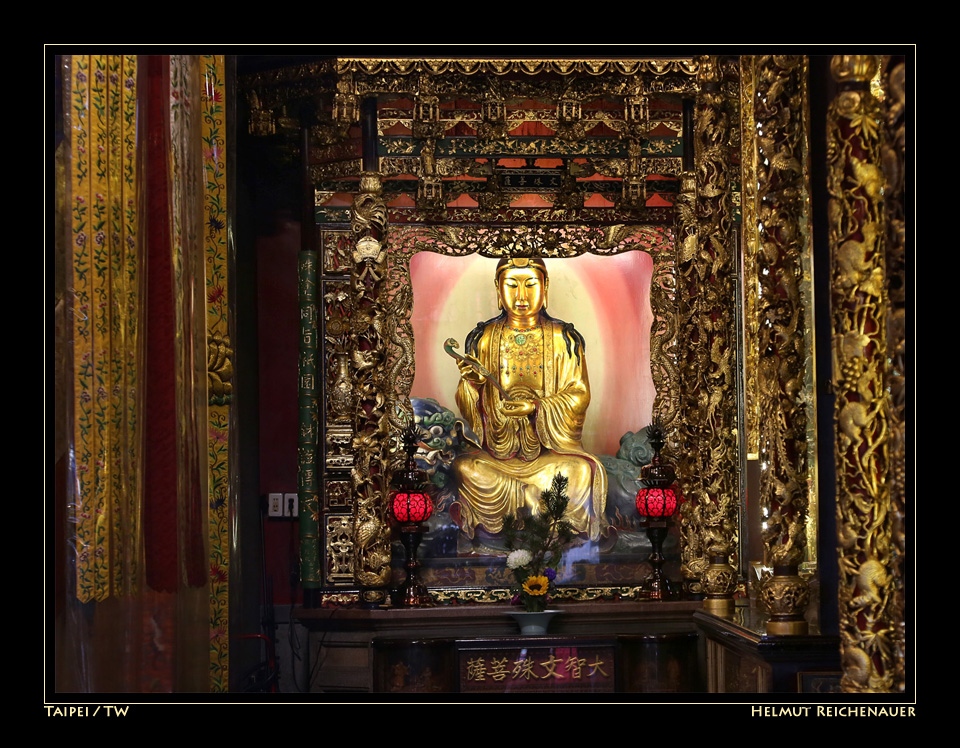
524 391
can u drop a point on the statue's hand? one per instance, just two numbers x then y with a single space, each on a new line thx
518 408
522 402
467 372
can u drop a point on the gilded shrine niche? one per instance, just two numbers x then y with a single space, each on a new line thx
425 174
615 285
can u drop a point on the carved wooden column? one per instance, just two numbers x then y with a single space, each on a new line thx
750 241
862 412
895 105
706 280
782 348
370 471
693 558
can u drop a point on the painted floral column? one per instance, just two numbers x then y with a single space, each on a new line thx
219 361
105 280
142 618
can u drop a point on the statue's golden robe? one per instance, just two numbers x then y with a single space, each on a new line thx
519 456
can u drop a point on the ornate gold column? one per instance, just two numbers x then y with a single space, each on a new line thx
693 557
782 348
705 285
371 466
862 412
895 103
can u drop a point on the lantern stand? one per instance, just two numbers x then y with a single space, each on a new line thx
657 586
657 503
412 505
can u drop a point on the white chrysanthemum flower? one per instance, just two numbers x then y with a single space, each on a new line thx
518 559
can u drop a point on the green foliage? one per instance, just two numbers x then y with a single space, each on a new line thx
537 543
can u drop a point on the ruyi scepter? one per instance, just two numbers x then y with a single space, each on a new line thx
452 343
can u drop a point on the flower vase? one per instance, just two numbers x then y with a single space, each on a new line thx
533 623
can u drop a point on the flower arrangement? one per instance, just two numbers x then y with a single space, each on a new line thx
536 545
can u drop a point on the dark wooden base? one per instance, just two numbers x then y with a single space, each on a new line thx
743 658
649 646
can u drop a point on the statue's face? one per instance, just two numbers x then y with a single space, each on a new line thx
523 291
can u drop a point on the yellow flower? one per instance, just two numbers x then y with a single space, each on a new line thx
536 585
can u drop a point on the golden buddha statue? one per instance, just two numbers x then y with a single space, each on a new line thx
524 391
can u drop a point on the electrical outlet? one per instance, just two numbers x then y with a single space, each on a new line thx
291 505
275 505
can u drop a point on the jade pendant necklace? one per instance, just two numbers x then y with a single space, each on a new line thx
521 335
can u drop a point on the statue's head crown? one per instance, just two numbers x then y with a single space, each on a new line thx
521 262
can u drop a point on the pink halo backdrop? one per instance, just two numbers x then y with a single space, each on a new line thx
606 297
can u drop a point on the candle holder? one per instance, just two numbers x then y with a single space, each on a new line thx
412 505
657 502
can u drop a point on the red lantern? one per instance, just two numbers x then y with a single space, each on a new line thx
412 507
656 502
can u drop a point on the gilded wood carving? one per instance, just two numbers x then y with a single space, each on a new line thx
371 471
895 104
781 345
862 411
709 467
